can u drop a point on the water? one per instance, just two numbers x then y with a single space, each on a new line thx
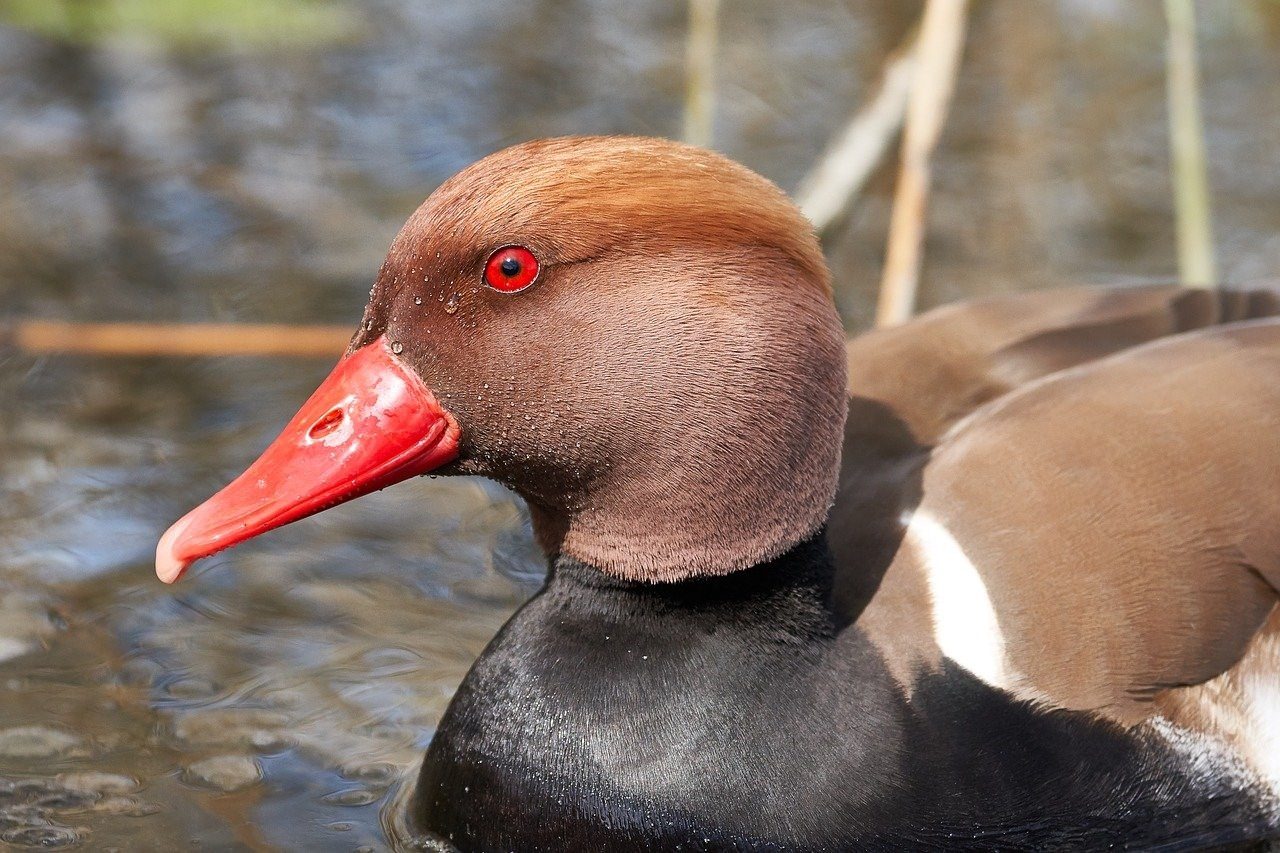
274 698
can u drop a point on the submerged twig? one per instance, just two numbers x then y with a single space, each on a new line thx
941 42
700 71
46 336
838 177
1186 144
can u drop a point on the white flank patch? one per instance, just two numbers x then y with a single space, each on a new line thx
1207 757
964 620
1241 744
1261 687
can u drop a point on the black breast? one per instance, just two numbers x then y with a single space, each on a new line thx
738 713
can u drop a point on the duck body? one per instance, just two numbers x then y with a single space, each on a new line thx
1005 577
789 734
820 710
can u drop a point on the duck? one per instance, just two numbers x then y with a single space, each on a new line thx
1003 577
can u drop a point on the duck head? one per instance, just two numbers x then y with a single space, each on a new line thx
635 335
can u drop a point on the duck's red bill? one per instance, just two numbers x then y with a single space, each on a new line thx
371 423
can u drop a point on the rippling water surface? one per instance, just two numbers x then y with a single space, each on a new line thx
274 698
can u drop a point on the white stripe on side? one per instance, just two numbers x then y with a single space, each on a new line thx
965 625
1260 685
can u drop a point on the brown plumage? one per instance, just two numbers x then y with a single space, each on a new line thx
1043 614
947 362
683 323
1121 515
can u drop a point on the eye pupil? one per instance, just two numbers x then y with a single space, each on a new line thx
511 269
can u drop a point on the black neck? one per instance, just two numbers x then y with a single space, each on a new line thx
793 590
659 706
740 712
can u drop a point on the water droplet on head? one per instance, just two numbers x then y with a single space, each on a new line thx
417 300
397 347
451 306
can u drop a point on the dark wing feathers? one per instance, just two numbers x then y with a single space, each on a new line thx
1124 515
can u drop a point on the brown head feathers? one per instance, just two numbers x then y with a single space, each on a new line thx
669 395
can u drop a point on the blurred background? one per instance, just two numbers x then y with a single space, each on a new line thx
250 160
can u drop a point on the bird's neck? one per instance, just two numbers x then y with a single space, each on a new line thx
676 518
659 706
793 590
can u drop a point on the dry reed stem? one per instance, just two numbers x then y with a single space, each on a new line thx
837 179
941 42
185 339
700 71
1186 143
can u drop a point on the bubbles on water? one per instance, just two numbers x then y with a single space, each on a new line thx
350 797
66 801
451 307
29 807
101 783
256 729
23 792
126 807
42 837
36 742
224 772
372 771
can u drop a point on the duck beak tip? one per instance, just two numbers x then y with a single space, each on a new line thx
169 566
371 423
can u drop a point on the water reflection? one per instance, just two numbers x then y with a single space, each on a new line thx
278 693
273 698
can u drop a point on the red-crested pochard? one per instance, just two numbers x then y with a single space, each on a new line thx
1036 608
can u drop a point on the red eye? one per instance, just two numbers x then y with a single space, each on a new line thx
511 268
